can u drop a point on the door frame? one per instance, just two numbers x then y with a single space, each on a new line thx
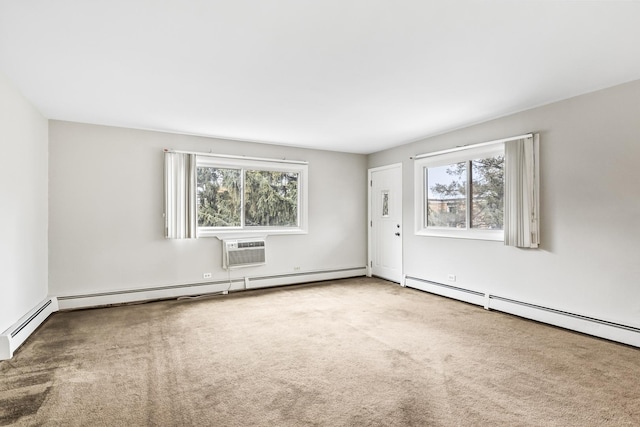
370 219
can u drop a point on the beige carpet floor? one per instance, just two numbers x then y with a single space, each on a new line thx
356 352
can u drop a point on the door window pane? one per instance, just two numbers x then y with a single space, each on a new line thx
385 203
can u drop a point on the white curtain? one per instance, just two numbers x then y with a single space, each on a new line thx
180 195
521 216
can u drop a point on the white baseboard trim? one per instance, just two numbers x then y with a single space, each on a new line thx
576 322
100 299
18 333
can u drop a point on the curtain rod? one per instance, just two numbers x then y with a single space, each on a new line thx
231 156
464 147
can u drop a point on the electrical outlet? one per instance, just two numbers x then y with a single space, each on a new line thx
451 277
206 276
296 268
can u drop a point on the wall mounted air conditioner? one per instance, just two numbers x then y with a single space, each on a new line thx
243 253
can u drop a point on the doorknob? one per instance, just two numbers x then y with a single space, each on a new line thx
397 234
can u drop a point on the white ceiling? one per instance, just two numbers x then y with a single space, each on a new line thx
348 75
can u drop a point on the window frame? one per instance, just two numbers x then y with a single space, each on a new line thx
301 168
421 195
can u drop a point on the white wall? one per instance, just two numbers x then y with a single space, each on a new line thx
23 214
589 262
106 204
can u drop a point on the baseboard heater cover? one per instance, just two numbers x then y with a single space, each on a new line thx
303 277
588 325
613 331
467 295
99 299
18 333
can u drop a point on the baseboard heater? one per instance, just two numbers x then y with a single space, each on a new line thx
100 299
18 333
303 277
589 325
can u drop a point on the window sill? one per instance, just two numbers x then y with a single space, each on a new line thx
245 234
491 235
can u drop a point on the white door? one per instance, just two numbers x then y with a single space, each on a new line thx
385 222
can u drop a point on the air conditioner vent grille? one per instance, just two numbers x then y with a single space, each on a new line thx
243 253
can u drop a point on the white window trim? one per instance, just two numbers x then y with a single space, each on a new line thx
260 164
446 158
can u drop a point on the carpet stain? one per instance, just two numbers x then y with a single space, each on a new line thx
26 380
20 405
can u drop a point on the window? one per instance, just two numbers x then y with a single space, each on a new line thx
446 202
234 195
218 195
219 198
461 193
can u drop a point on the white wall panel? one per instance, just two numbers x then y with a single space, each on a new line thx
590 211
106 204
23 211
